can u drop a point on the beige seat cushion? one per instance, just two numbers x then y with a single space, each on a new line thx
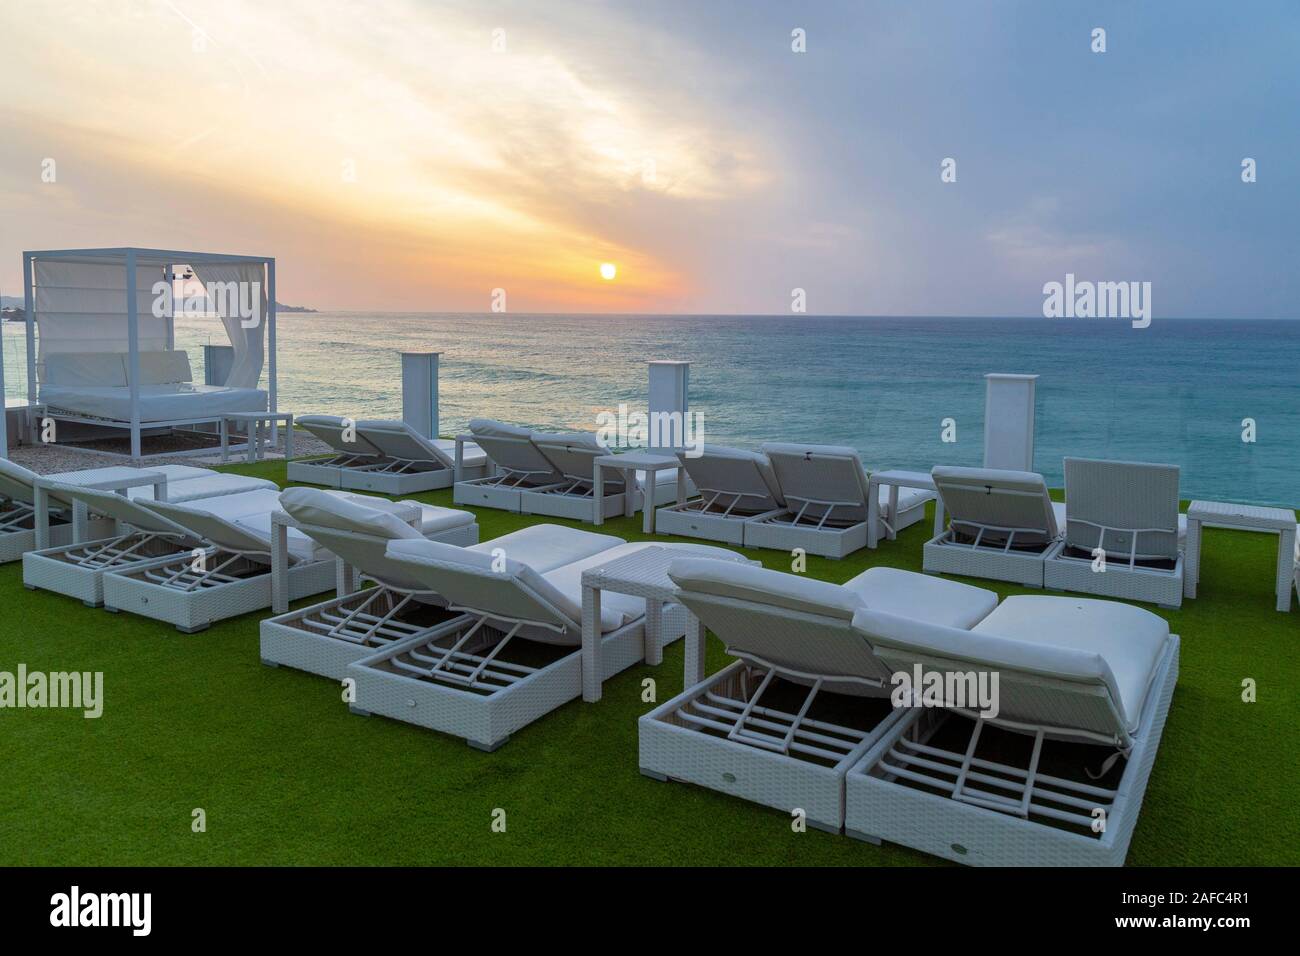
544 547
923 597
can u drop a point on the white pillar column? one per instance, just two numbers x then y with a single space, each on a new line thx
133 356
669 392
420 392
1009 422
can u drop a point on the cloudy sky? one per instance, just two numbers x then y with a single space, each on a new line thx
405 155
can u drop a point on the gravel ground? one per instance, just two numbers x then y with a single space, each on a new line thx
48 459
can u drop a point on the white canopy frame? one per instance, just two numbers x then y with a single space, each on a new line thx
131 259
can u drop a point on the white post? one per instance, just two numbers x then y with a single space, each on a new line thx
29 306
1009 422
133 344
669 389
273 390
420 392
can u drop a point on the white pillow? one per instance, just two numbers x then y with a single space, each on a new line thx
163 368
95 369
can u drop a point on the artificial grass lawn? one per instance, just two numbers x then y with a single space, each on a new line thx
285 775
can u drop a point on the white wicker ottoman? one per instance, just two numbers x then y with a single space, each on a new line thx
882 805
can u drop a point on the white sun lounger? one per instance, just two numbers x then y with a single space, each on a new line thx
1057 777
518 464
573 456
352 453
326 637
412 463
1003 525
825 489
735 487
134 537
18 519
518 657
805 698
231 577
1128 510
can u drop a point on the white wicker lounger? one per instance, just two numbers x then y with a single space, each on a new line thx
573 456
806 697
139 537
735 487
326 637
518 656
1003 525
233 577
352 452
18 516
412 462
1130 510
1018 789
519 466
825 489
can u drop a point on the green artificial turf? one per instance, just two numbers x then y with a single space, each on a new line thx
286 775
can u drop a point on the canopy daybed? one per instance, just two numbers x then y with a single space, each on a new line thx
107 358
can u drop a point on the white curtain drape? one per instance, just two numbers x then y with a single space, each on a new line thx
249 355
81 307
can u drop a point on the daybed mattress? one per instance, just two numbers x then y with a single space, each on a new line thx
158 403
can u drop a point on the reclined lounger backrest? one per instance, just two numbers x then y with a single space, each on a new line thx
794 623
330 429
16 482
511 448
573 455
1039 685
734 477
816 479
466 580
357 533
398 440
1128 508
124 510
214 528
995 505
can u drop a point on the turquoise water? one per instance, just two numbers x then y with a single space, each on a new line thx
1175 392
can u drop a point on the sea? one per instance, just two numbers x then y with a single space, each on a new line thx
1219 398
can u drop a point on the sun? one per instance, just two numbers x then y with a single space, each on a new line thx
608 270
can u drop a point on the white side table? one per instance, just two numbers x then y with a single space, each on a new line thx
643 574
629 464
253 422
346 578
117 479
1219 514
893 480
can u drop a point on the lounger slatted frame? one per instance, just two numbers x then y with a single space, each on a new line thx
326 637
18 530
718 734
347 456
411 463
732 491
1146 492
991 814
460 685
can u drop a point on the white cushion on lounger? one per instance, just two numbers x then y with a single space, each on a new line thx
311 506
923 597
1070 639
908 498
181 472
231 507
300 545
208 486
748 582
1129 639
617 609
471 455
545 547
490 426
